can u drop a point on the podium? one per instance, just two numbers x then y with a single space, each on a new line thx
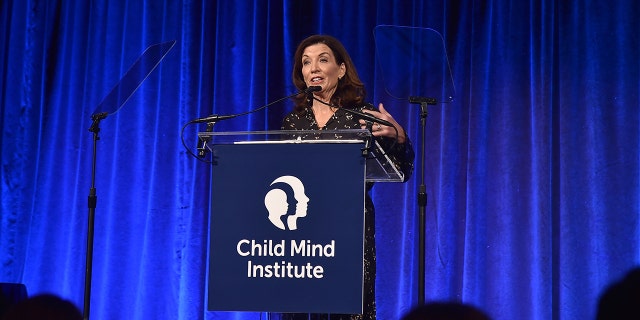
287 219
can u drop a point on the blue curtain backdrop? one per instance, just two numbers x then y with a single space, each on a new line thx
532 172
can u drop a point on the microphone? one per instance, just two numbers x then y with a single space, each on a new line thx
312 89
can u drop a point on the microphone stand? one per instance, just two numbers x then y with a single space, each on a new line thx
424 103
92 202
202 146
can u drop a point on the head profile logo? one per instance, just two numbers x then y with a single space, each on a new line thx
277 203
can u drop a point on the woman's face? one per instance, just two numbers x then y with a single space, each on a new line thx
319 68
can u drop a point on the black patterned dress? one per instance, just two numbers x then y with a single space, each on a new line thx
402 156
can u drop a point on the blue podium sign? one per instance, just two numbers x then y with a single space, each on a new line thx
287 227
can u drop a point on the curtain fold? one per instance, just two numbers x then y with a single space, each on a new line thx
532 171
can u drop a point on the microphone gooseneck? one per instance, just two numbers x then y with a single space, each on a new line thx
365 116
361 115
215 118
368 117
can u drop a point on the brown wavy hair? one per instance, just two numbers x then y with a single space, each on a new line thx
350 91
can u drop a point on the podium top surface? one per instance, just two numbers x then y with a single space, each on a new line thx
379 167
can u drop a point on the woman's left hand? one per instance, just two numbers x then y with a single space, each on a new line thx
380 130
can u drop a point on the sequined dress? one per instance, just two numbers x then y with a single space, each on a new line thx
402 156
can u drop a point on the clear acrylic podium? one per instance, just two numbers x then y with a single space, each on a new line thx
379 167
287 217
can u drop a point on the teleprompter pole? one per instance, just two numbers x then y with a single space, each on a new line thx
422 194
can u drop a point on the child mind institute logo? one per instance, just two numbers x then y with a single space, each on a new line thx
277 203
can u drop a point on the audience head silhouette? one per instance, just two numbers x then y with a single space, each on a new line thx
43 307
445 311
621 299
